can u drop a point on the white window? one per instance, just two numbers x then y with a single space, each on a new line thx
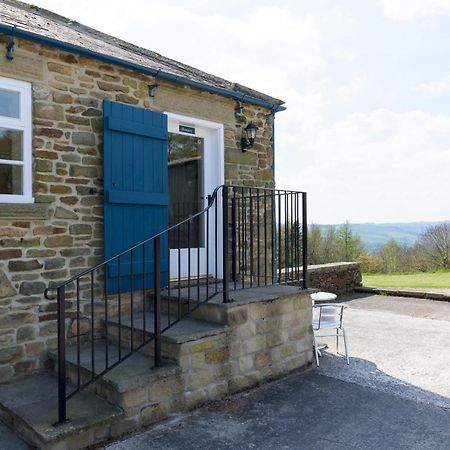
15 142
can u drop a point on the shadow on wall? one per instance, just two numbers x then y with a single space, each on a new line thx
366 373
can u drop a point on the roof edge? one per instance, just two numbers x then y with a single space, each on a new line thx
237 95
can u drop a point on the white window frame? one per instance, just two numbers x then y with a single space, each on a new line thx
23 123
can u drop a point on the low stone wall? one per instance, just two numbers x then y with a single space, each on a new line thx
339 278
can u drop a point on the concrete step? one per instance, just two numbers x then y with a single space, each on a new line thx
29 405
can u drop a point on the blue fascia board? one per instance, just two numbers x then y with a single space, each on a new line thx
14 31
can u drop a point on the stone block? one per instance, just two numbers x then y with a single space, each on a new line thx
267 324
111 87
197 360
10 354
59 241
32 287
246 363
60 189
64 213
153 413
124 98
6 288
54 263
206 344
20 265
216 356
199 378
255 344
48 111
195 398
43 165
48 329
133 398
80 228
83 138
59 68
165 388
217 391
83 171
237 316
262 359
246 330
286 350
26 333
275 338
9 254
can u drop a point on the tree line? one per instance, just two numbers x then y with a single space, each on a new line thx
431 251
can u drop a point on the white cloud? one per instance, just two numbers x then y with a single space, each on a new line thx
377 167
414 9
434 88
367 166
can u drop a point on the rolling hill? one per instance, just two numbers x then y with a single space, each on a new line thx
375 235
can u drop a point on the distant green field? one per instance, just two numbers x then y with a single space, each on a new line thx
439 279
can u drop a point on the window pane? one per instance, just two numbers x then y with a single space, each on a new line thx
9 103
10 179
185 188
10 144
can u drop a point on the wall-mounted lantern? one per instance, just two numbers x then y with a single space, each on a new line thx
250 135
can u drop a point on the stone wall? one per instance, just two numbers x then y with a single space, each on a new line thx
267 334
62 232
340 278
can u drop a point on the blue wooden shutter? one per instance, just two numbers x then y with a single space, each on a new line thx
136 194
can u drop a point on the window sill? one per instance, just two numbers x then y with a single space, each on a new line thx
24 211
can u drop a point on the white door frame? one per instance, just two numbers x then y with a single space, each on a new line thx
213 176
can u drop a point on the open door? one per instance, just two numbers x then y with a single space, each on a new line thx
136 194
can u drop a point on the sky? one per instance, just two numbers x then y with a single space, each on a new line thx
366 84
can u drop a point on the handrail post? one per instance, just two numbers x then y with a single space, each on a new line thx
225 243
61 319
305 241
233 240
157 298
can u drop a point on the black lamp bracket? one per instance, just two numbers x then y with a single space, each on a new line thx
10 49
245 144
151 88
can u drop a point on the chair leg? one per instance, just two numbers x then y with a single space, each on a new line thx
316 350
337 340
346 346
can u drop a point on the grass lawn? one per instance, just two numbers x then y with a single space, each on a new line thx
439 279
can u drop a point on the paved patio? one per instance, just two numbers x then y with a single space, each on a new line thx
394 395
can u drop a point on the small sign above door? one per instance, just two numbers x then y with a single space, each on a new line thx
186 129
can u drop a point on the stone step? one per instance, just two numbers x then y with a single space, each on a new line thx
181 331
29 405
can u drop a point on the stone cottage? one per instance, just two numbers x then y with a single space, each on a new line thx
64 90
51 172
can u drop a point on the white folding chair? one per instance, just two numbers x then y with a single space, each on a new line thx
328 316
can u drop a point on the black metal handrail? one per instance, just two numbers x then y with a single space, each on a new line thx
263 241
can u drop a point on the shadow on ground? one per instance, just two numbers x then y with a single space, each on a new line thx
308 411
366 373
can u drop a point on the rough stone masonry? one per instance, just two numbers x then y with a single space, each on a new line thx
62 232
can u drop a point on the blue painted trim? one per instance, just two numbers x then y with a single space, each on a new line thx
125 126
138 198
14 31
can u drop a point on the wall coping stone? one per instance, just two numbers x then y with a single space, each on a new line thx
258 294
333 265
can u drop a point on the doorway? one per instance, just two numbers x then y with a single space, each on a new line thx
196 168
